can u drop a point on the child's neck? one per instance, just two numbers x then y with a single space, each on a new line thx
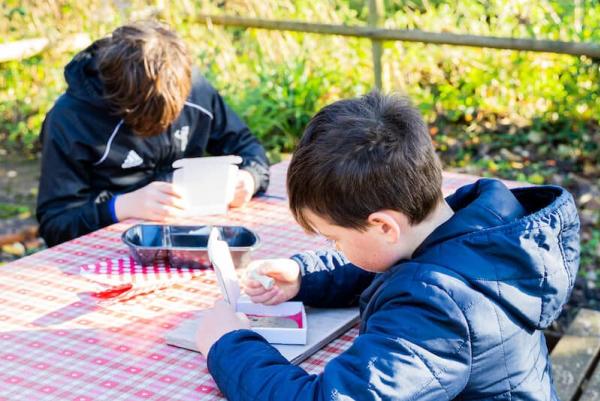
442 213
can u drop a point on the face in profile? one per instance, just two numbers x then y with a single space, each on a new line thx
376 248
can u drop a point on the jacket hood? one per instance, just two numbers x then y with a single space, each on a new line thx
82 76
520 247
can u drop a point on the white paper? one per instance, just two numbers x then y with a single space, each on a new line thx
325 326
207 183
220 257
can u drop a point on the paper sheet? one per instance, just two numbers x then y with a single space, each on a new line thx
325 325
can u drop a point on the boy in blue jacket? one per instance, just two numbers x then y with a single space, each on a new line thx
453 293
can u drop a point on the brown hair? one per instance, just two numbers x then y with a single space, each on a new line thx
146 72
362 155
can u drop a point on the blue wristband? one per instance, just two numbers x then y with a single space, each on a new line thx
111 208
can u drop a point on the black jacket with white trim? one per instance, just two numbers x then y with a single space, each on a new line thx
89 155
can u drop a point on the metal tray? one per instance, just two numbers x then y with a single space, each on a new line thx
186 246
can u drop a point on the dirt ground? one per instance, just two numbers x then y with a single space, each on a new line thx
19 180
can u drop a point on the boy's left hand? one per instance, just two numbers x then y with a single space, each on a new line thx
216 322
244 189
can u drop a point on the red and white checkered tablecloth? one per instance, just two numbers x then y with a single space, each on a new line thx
57 342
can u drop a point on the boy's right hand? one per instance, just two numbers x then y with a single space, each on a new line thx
156 201
285 272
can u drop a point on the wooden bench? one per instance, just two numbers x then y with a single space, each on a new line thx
575 359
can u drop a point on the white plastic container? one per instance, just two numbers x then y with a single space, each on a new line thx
220 257
208 183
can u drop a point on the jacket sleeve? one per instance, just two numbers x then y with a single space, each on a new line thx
230 136
67 206
330 280
415 346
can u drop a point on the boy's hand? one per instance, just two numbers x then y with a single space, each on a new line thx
286 274
244 189
156 201
216 322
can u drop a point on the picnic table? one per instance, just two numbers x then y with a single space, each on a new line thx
59 343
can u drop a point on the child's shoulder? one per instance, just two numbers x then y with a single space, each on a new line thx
424 285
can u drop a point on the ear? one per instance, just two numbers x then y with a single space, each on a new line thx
388 223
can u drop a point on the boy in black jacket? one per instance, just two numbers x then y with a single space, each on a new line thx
133 107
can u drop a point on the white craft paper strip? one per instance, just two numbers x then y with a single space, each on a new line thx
220 257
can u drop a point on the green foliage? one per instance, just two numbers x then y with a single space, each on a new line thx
519 115
8 210
277 80
280 100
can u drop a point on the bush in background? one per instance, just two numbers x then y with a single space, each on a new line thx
519 115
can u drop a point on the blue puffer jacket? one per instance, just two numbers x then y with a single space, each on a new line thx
461 320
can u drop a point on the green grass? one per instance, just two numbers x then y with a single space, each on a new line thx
8 210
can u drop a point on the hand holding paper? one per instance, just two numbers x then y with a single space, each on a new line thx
265 281
208 184
285 324
216 322
286 276
156 201
244 189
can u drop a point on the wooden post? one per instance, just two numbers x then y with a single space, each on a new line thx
578 16
376 10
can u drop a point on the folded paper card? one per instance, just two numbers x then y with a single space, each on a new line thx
279 333
295 331
207 183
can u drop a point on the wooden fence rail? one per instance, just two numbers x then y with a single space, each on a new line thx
378 35
373 32
535 45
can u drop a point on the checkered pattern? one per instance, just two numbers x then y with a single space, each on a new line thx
57 342
123 278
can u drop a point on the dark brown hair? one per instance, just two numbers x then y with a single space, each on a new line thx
362 155
146 72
